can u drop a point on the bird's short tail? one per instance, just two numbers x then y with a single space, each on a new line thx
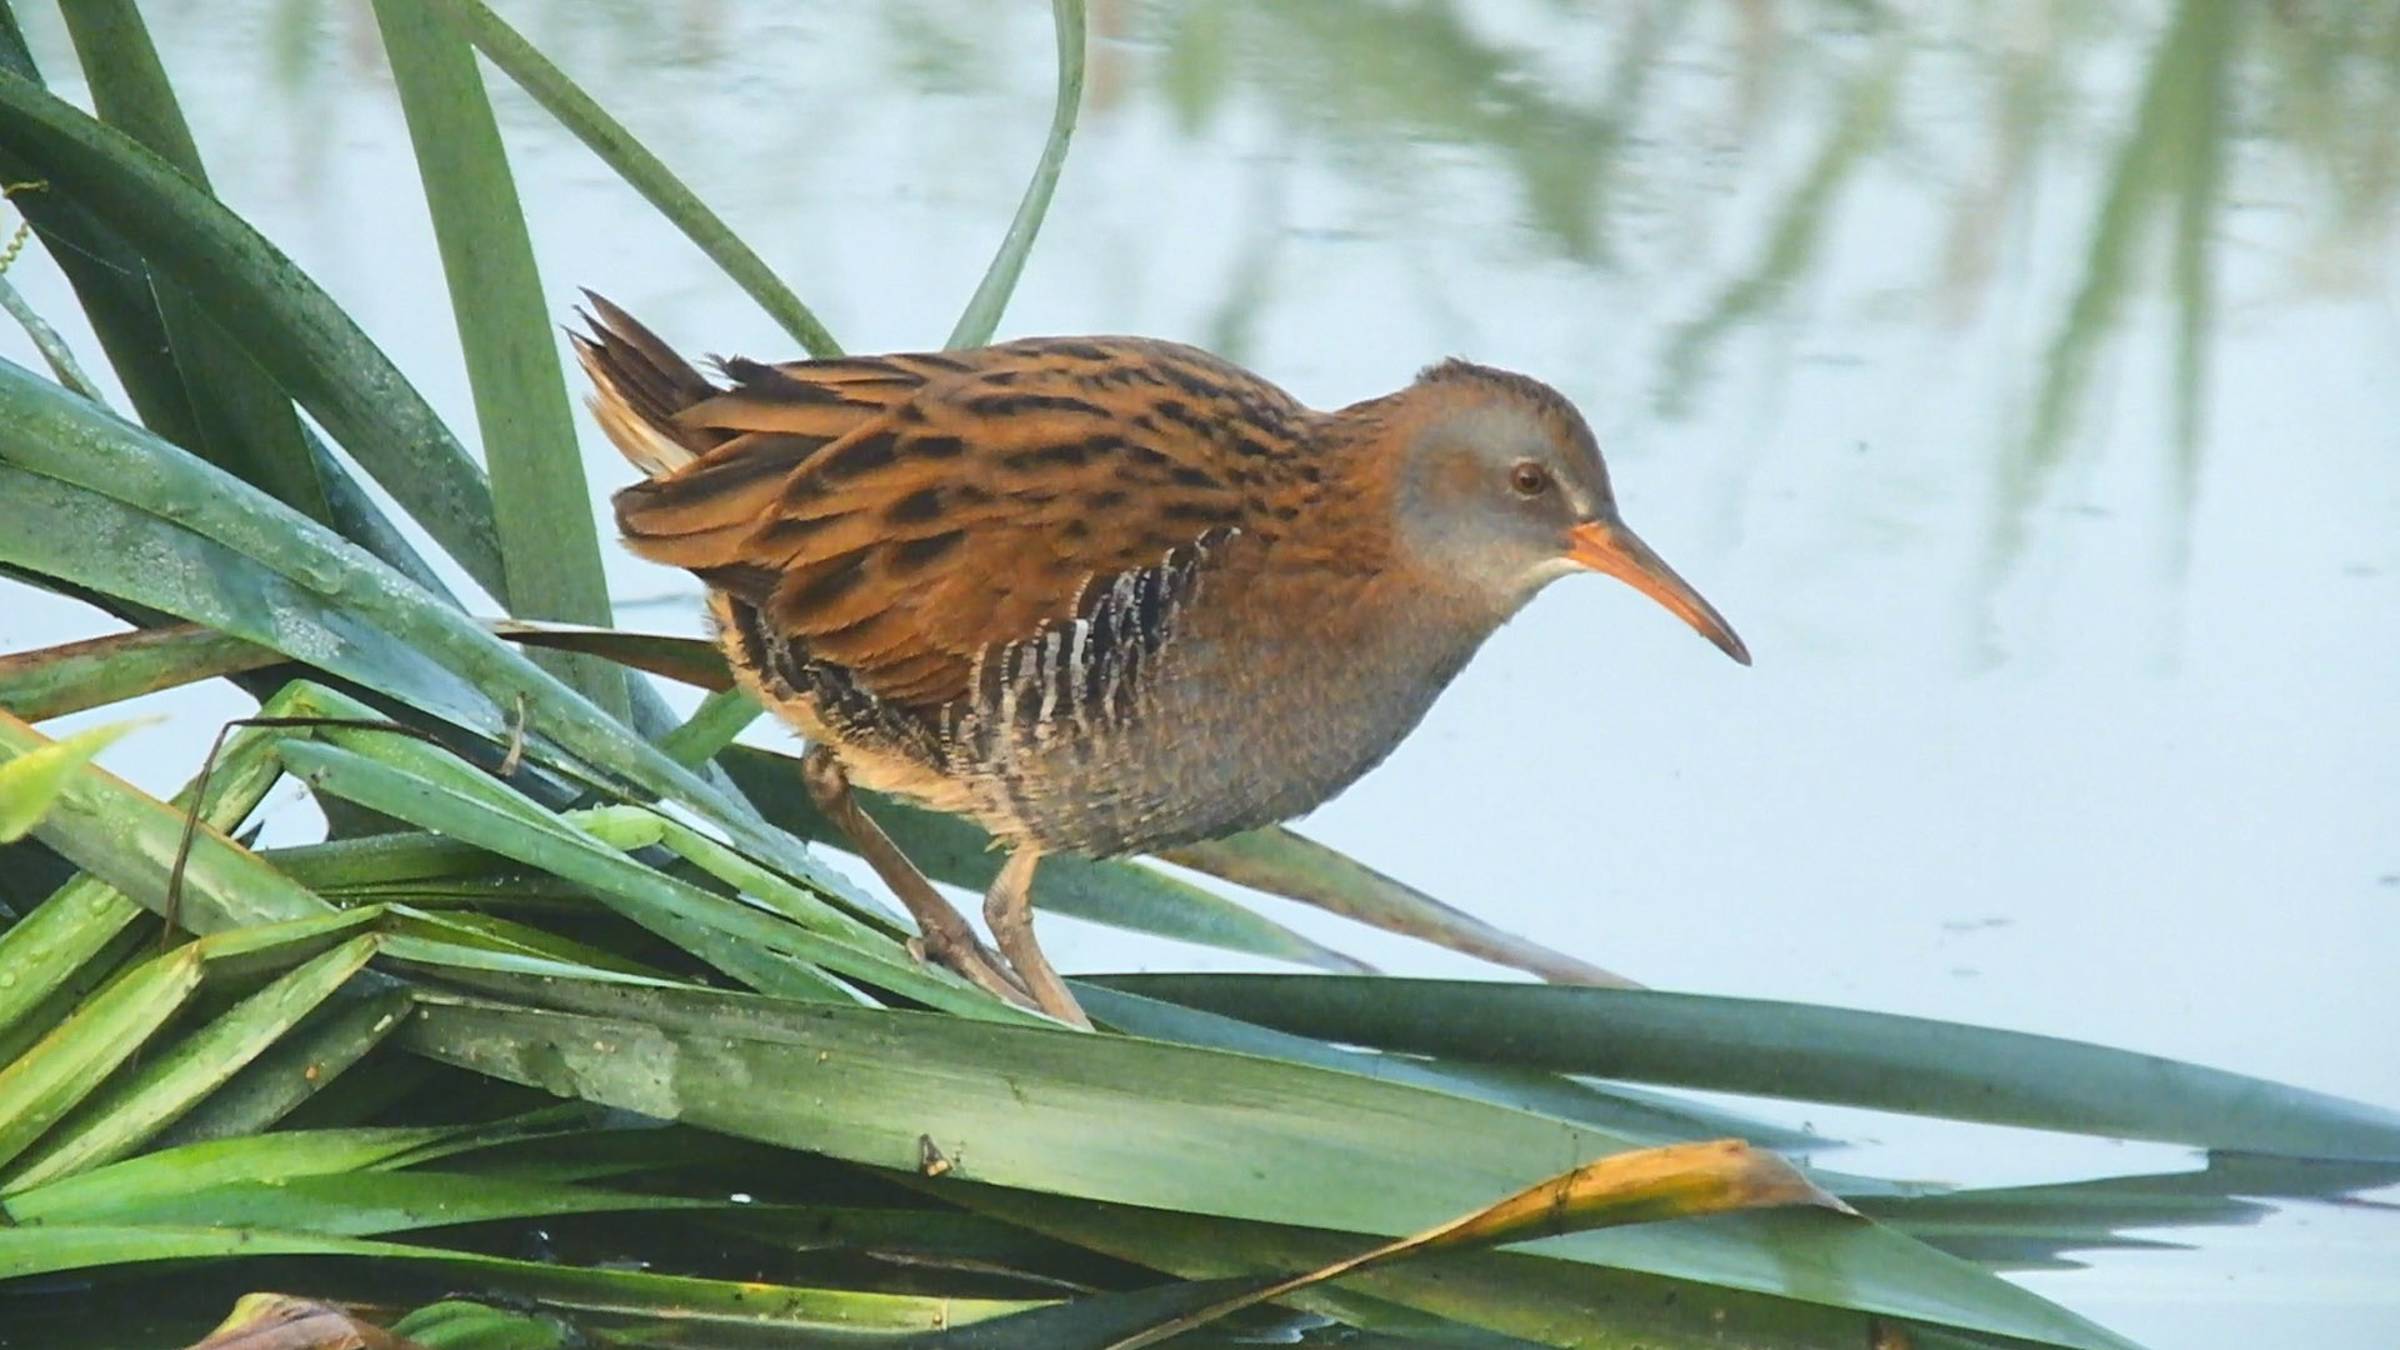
638 385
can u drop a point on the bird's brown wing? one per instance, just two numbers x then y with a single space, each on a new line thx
899 515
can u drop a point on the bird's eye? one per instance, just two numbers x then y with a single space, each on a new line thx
1529 479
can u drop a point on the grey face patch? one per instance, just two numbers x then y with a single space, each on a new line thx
1461 513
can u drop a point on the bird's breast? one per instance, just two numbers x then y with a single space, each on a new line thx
1263 702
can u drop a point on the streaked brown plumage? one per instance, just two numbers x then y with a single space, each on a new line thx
1102 595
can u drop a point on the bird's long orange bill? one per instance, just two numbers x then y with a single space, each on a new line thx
1606 546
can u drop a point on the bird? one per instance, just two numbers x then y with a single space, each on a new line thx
1100 595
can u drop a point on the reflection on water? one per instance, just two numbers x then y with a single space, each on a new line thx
2174 131
2018 377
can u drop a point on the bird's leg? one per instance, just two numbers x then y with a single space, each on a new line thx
944 931
1008 909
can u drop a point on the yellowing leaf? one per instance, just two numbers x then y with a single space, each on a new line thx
31 783
1677 1181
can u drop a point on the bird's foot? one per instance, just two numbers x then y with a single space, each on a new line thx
944 937
1008 910
960 953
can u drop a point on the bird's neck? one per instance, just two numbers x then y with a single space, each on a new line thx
1371 650
1288 684
1425 629
1375 612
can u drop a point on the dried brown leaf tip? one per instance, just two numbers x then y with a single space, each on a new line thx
282 1322
1649 1185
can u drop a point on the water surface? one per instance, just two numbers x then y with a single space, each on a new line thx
2018 377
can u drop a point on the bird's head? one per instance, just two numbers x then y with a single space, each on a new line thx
1500 491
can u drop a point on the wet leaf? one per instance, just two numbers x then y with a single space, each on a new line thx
1111 891
779 1307
239 418
136 1106
1283 862
550 557
644 171
1165 1127
312 350
89 498
455 1324
65 679
1802 1051
281 1157
982 316
755 947
66 1066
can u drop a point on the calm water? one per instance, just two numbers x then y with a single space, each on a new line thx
2018 377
